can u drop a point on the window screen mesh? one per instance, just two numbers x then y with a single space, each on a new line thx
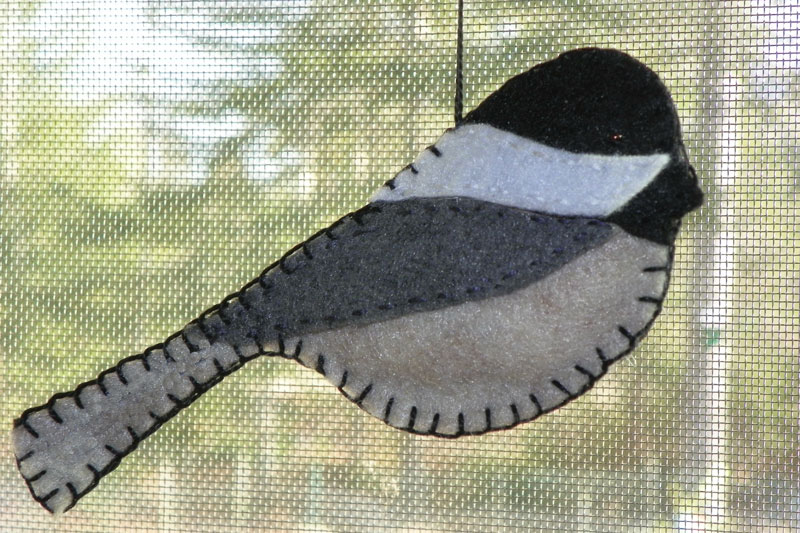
158 155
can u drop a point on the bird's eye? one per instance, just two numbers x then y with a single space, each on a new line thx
616 137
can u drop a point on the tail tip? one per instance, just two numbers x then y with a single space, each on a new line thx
43 485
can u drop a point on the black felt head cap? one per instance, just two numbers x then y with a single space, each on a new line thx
589 100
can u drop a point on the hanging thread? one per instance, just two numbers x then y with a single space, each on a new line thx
459 98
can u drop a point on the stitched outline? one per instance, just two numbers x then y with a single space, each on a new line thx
26 425
36 476
95 472
589 375
651 300
121 376
342 383
321 365
205 329
113 451
282 265
297 348
43 499
535 401
364 393
189 344
78 401
605 360
557 384
632 339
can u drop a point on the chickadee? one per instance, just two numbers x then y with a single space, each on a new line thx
492 280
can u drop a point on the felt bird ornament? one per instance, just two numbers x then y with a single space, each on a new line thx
490 281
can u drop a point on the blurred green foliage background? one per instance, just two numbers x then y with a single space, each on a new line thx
155 156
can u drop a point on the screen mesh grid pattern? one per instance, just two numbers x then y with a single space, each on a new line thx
155 156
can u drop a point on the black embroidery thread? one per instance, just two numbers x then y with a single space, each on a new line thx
364 393
412 417
37 476
460 424
434 424
435 151
388 409
26 456
51 411
557 384
72 491
585 372
535 402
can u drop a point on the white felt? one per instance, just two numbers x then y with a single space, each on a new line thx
483 162
495 352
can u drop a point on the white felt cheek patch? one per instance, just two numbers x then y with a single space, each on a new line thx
482 162
469 369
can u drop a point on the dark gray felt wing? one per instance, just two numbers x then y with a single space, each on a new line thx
394 258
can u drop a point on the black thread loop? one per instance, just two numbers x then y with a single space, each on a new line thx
459 97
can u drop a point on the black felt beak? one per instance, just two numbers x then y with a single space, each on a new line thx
655 212
694 197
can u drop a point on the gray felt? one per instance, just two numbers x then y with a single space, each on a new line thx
384 262
444 315
388 261
393 258
65 447
470 368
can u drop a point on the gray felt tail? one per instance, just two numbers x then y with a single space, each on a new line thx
64 448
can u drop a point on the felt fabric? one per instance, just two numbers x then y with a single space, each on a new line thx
387 260
483 162
394 258
470 368
655 213
590 100
66 447
446 306
445 370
